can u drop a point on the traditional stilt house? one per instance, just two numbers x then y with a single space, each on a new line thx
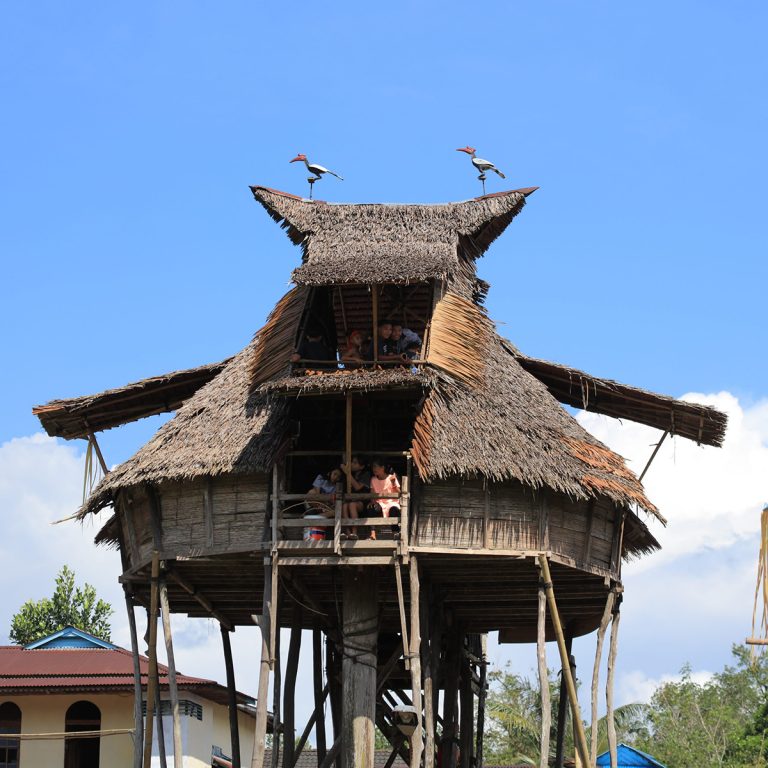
512 517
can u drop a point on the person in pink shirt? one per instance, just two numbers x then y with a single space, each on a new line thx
385 483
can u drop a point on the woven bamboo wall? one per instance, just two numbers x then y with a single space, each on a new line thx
453 514
209 516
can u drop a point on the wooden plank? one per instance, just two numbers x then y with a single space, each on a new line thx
289 704
417 737
401 606
260 726
138 715
234 727
428 671
541 655
173 689
482 692
340 561
152 681
319 693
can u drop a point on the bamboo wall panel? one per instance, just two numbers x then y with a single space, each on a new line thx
237 506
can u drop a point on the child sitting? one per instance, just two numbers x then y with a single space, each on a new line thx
352 355
384 483
323 485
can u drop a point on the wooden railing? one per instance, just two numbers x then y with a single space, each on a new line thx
283 520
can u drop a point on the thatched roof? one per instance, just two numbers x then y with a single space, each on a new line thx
346 381
77 416
383 243
704 424
223 428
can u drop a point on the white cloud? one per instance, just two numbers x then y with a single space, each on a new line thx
712 497
639 687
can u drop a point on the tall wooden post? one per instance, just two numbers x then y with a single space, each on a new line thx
604 621
466 733
152 671
277 726
234 727
429 685
452 674
612 651
289 703
360 632
546 704
260 727
173 690
138 715
333 673
481 696
317 681
562 709
417 743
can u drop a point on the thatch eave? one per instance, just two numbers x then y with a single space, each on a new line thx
78 416
701 423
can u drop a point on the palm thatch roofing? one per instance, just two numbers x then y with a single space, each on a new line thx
237 421
387 243
78 416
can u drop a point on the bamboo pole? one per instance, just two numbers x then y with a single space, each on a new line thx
152 651
604 621
234 726
173 690
609 715
581 738
417 743
138 715
289 704
317 670
541 653
260 726
160 729
278 733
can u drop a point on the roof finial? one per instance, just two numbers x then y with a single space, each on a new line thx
480 164
316 170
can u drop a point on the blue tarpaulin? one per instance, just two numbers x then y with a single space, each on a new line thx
629 757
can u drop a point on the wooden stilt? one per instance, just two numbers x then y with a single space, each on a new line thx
401 606
317 680
234 727
435 652
562 709
289 704
278 733
541 654
612 651
581 739
483 685
260 727
138 715
160 730
466 731
152 652
450 697
333 674
360 631
417 742
173 691
310 725
429 685
604 621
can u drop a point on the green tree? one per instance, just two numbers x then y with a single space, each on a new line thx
69 605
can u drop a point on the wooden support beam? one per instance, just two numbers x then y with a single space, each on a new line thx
289 705
138 715
173 690
466 730
581 739
317 715
417 742
385 671
609 683
319 693
92 440
260 726
481 697
401 606
604 621
562 710
200 598
152 652
360 630
160 729
274 628
234 727
450 697
428 670
541 655
278 732
333 675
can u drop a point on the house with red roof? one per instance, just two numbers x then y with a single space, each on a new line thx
68 700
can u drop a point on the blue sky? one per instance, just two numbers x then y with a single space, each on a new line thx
131 245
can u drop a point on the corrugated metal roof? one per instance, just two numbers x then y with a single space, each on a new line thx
25 670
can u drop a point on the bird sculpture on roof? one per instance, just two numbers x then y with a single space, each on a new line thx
316 170
481 165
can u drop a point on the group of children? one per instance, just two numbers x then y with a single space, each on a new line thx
379 479
394 344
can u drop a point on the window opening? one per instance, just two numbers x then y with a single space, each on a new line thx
82 752
10 723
